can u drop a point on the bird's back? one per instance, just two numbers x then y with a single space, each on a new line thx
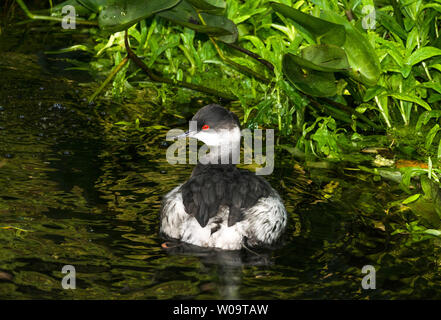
224 207
213 186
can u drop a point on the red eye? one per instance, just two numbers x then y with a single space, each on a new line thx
205 127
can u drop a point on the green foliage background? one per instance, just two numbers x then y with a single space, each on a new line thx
399 42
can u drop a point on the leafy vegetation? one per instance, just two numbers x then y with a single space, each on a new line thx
334 77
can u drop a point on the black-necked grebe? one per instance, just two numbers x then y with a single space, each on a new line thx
221 206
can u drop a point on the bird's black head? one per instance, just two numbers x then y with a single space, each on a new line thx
215 117
215 126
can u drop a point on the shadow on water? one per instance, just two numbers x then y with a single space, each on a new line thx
77 190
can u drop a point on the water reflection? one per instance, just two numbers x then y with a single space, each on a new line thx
228 264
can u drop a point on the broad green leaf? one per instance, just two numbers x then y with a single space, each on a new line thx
435 6
436 66
406 70
325 57
396 55
433 232
315 59
390 24
405 97
407 174
219 26
312 82
324 31
208 5
422 54
433 98
93 5
223 23
361 55
432 85
411 198
431 135
425 117
78 47
412 41
157 127
362 108
80 9
118 15
428 207
371 92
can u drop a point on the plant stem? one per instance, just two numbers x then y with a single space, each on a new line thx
426 70
132 56
253 55
383 112
338 114
39 17
402 111
352 112
237 65
109 77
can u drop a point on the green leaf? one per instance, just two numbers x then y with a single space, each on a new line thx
219 26
372 92
425 117
157 127
435 6
390 24
208 5
412 198
396 55
422 54
405 97
405 70
324 31
412 41
312 82
431 135
78 47
325 57
361 55
436 66
433 232
119 15
93 5
432 85
428 207
80 9
407 174
223 23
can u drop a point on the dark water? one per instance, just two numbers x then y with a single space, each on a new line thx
77 190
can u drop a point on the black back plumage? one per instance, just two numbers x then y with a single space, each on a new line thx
214 185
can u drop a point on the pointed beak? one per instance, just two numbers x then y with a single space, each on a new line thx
184 135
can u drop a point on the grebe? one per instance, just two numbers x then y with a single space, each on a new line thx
221 206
